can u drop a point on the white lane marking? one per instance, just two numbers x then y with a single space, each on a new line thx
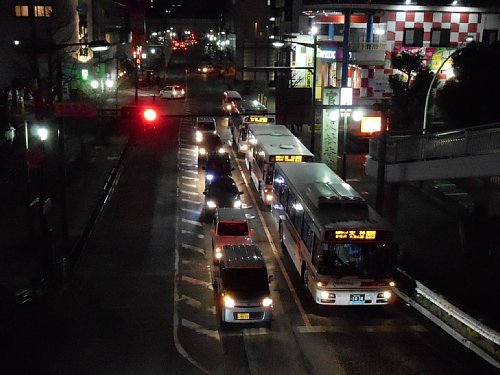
192 222
189 171
193 233
189 178
193 281
189 185
303 314
113 158
191 211
188 164
190 201
190 192
199 329
195 303
194 248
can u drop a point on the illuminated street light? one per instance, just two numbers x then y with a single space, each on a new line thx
94 84
109 83
43 133
357 115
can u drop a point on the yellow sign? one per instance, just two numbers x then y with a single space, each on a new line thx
260 120
288 158
355 234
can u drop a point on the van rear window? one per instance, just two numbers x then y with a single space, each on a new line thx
232 229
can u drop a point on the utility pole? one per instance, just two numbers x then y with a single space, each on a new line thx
382 149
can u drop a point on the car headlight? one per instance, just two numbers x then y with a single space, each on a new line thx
209 177
199 136
269 197
221 150
237 204
228 107
266 302
387 294
228 301
202 151
211 204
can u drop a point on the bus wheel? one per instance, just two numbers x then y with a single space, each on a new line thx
305 276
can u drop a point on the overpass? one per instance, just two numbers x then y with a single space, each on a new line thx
470 157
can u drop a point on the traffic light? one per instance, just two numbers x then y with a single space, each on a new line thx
150 115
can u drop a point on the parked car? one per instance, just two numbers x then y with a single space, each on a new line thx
222 192
230 227
173 92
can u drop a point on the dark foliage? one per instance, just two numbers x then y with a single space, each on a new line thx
472 97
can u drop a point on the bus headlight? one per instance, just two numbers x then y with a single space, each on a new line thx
324 294
228 302
266 302
211 204
387 294
237 204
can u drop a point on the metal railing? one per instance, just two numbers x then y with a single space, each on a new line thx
404 148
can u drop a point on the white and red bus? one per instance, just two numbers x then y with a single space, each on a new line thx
343 250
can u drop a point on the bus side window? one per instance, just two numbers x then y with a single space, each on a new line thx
308 236
298 219
283 195
289 206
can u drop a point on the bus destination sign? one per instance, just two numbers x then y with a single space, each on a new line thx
286 158
259 119
352 234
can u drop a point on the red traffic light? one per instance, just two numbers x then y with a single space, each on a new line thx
150 114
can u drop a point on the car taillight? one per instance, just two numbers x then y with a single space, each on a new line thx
150 115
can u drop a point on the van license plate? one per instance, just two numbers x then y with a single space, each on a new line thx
357 299
243 316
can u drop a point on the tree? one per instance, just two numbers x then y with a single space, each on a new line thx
408 90
470 98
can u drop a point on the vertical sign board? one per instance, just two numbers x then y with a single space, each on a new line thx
330 128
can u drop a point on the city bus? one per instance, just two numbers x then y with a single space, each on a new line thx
265 150
343 250
244 113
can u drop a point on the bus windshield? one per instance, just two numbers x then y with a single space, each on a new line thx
363 260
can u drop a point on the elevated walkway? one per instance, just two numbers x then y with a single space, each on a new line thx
465 153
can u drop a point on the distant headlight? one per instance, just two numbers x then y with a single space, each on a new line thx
199 136
209 177
202 151
237 204
214 132
228 301
228 107
266 302
211 204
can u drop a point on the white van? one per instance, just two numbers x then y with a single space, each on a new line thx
228 97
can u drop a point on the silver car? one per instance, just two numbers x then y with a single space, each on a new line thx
173 92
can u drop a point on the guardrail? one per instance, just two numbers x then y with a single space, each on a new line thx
473 141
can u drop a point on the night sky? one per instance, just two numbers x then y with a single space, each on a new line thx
187 8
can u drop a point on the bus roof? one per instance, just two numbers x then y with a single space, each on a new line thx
261 129
280 144
330 201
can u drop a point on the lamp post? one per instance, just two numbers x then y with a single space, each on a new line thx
427 97
314 32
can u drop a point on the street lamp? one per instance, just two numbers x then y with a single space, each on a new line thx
468 39
314 32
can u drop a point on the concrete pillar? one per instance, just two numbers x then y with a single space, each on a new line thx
369 28
345 47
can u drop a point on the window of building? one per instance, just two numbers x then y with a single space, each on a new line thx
43 10
440 37
21 10
413 37
490 36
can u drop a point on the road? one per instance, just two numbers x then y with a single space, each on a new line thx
141 299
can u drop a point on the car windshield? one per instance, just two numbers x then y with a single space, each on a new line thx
232 229
246 279
221 187
364 260
206 126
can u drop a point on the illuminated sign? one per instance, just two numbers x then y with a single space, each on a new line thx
259 119
327 54
355 234
286 158
370 124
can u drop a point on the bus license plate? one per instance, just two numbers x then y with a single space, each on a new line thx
357 299
243 316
